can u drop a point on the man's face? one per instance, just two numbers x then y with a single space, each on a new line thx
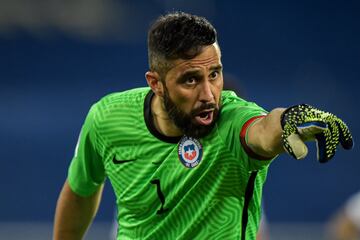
192 92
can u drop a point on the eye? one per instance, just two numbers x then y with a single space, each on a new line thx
191 81
214 75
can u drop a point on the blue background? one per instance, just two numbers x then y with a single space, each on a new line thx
280 52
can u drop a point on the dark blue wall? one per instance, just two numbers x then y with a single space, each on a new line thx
281 52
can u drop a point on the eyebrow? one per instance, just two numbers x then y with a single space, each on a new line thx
216 67
196 71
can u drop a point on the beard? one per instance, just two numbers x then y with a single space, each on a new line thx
186 121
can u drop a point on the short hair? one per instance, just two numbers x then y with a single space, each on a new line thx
177 35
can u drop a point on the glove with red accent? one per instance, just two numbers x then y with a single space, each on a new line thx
302 123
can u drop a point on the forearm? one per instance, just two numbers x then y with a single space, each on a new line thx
264 136
74 213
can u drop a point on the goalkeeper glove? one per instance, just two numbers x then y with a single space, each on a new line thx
303 123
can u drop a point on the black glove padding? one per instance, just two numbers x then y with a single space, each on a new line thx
302 123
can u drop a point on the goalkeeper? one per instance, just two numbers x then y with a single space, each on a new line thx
186 160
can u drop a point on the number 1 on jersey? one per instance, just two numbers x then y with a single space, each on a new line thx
160 195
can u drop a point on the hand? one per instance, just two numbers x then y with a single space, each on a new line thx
302 123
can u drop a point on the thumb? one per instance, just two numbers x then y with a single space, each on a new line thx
295 146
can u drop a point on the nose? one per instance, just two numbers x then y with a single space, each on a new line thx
206 94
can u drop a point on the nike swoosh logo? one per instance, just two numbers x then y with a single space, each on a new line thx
115 161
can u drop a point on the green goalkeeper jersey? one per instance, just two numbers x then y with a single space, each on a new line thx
171 187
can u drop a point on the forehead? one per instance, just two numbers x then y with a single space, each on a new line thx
210 56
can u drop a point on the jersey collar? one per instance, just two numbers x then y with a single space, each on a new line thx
149 120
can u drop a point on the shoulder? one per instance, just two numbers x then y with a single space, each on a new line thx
235 113
231 104
119 100
119 104
132 96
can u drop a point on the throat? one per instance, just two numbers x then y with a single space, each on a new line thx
166 127
162 121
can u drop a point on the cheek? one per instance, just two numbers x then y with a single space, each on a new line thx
217 90
184 100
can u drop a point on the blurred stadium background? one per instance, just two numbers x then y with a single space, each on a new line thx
59 57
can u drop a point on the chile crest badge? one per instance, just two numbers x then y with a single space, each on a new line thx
190 152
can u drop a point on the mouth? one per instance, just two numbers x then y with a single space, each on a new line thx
205 117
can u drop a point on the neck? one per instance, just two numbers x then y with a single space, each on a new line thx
162 121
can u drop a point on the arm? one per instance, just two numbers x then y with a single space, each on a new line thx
288 129
74 213
342 228
345 224
264 136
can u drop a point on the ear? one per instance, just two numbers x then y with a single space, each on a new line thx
154 82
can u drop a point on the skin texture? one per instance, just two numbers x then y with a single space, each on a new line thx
74 213
264 137
189 84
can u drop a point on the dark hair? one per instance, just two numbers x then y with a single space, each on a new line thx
177 35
